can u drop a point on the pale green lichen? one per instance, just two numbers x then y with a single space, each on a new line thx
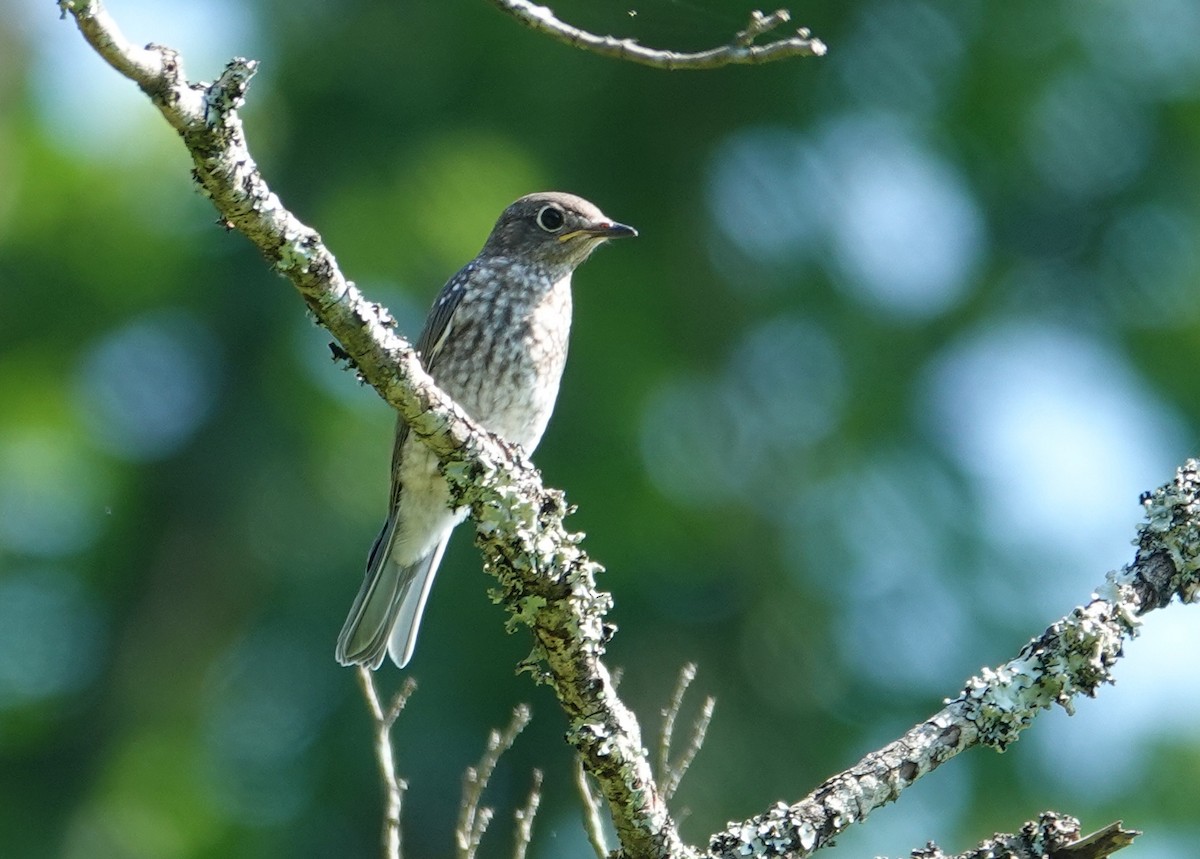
294 253
1073 657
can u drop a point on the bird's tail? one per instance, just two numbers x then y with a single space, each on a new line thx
387 611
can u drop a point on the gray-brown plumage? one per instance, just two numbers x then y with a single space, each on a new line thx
496 341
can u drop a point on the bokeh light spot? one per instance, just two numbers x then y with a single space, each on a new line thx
51 493
1150 266
1158 41
875 537
50 636
262 710
705 440
1086 136
764 192
902 55
906 231
892 220
147 386
1059 436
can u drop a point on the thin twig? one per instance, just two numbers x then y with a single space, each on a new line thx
741 51
670 773
760 24
670 713
523 831
393 787
679 768
592 823
473 819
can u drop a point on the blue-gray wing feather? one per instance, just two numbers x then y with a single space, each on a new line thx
437 325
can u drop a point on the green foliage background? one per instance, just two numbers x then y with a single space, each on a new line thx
867 405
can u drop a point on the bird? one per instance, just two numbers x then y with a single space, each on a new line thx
495 340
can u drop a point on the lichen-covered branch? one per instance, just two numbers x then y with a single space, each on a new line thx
1099 845
1052 834
1073 657
741 51
546 579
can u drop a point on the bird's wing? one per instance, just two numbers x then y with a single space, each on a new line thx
439 321
429 345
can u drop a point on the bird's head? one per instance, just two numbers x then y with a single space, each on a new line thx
552 229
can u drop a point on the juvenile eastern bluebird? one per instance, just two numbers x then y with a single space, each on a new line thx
496 341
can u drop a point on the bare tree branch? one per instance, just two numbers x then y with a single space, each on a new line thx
1051 835
670 773
741 51
1099 844
546 580
393 786
1072 657
523 832
681 764
592 823
473 819
670 713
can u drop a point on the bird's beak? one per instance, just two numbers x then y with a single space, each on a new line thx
613 230
602 230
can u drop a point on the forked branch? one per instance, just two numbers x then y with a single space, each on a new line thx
670 771
741 51
393 786
473 816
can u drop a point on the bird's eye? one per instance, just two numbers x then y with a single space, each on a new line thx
550 218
